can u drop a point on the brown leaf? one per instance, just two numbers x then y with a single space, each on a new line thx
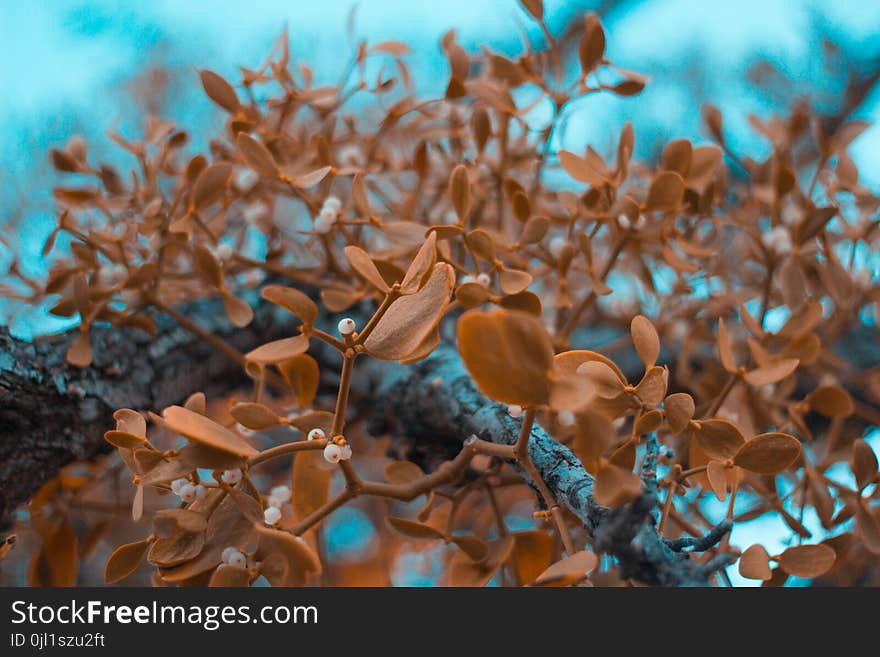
206 432
868 527
592 45
80 352
303 376
534 552
679 411
460 191
508 354
514 281
831 401
645 339
665 192
279 350
293 301
410 529
719 439
755 563
863 463
238 311
580 169
257 156
807 560
310 179
300 557
210 186
652 388
773 373
220 91
477 549
716 473
534 7
420 265
123 439
410 319
464 571
725 348
254 416
124 561
615 486
310 483
403 472
768 453
363 264
605 380
570 570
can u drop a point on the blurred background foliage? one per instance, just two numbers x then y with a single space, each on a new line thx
84 66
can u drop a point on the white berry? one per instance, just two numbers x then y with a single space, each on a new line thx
187 493
346 452
557 244
324 224
233 557
484 279
467 278
346 326
272 515
565 418
201 492
316 434
332 203
280 494
624 221
514 410
231 477
332 453
177 484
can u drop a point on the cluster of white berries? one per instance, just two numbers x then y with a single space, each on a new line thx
483 279
233 557
777 240
188 491
346 326
334 453
328 215
279 496
231 477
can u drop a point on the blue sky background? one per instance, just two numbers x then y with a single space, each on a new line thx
67 66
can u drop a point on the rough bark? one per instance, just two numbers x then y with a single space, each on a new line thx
52 413
435 403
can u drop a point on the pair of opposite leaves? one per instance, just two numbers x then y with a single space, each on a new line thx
407 329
